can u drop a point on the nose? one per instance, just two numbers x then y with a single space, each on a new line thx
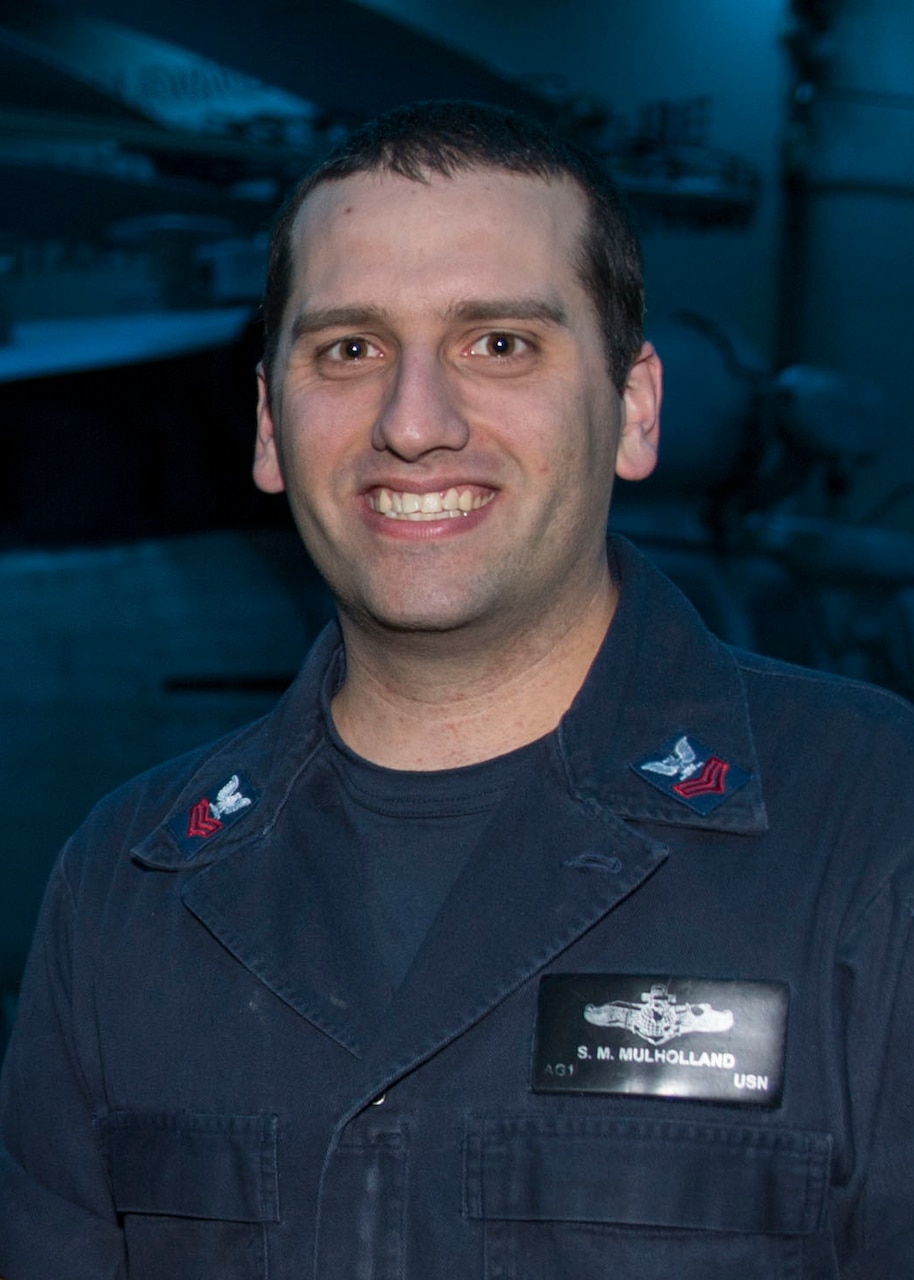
420 413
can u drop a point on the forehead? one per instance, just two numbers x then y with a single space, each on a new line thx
483 230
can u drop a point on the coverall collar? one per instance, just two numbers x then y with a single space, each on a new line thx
659 673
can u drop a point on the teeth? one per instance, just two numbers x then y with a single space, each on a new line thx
427 506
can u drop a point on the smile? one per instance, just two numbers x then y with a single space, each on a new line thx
427 506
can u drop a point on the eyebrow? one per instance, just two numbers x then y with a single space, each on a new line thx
471 310
483 309
321 318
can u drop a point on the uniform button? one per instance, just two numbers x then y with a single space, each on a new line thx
379 1102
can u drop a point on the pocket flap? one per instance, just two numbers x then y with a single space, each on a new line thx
656 1173
192 1165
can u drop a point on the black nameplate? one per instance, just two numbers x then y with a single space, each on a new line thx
660 1036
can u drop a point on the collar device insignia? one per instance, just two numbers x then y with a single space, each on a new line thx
691 773
205 817
659 1036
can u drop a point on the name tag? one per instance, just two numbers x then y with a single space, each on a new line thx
660 1036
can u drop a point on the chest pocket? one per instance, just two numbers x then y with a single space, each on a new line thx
591 1197
195 1191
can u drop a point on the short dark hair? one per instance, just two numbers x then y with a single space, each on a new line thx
450 137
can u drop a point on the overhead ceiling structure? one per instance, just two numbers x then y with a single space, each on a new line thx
192 104
144 149
344 56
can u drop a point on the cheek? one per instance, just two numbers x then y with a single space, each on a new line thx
535 422
321 428
574 437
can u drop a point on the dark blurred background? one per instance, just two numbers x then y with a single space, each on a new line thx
150 598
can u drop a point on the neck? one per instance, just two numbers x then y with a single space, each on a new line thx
424 702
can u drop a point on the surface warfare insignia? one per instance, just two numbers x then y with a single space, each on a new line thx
691 773
657 1017
205 817
660 1036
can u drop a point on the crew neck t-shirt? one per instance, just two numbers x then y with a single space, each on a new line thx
413 833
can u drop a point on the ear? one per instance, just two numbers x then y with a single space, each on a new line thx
267 472
639 436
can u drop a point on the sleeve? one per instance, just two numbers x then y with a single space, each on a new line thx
56 1213
877 976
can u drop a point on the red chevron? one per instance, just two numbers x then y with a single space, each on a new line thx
711 780
201 822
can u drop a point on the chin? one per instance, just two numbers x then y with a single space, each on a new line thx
413 619
407 623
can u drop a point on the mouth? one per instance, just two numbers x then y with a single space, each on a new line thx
444 505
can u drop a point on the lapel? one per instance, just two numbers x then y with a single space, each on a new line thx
661 675
273 883
291 909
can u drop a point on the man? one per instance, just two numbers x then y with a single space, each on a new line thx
536 934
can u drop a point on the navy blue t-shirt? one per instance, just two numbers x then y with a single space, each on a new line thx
413 834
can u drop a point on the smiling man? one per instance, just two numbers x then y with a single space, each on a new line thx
536 934
441 410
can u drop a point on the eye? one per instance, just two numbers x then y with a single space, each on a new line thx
351 350
499 346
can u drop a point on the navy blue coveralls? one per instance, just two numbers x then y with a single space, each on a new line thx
203 1080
